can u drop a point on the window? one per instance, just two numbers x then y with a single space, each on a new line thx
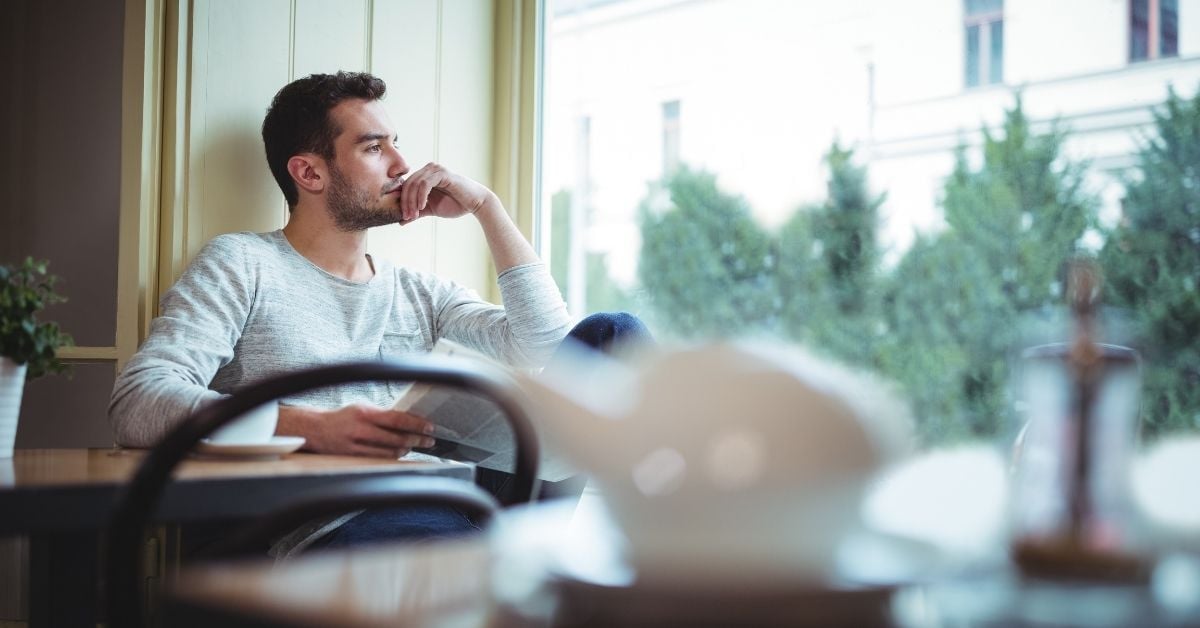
1153 29
984 25
821 196
670 130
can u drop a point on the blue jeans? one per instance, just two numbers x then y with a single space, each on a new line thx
603 332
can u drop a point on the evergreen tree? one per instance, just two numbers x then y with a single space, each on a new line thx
829 265
954 301
943 322
1152 264
947 332
706 266
1023 210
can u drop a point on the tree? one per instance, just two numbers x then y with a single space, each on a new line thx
829 265
944 322
947 335
954 301
706 266
1152 263
1024 210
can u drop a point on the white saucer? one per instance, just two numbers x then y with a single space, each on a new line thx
277 446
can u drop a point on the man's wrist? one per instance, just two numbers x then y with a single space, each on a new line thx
489 207
295 421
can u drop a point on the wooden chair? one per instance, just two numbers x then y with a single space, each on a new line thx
139 500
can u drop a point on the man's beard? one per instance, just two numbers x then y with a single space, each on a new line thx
355 209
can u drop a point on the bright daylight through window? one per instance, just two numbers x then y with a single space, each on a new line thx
821 172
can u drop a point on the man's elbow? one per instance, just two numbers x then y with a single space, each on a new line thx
133 415
120 419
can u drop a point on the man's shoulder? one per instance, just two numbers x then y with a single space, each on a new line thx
239 242
236 248
232 255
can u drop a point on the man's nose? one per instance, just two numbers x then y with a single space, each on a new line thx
399 167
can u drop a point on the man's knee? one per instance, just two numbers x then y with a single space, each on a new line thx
603 330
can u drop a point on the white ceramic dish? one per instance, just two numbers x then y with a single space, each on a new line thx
277 446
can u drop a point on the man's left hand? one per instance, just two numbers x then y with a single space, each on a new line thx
435 191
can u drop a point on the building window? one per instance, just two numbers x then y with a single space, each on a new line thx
1153 29
670 117
983 22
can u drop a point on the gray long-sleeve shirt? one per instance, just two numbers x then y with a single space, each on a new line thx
250 306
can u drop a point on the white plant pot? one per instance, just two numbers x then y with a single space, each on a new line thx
12 385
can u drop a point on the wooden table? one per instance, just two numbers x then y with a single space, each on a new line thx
545 564
61 499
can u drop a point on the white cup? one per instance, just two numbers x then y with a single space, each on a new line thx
252 428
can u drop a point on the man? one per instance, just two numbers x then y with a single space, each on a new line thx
254 305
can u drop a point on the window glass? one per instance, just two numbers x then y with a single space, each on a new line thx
984 49
1153 29
973 52
1169 18
816 174
975 7
1139 29
996 56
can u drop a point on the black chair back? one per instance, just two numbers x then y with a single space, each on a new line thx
138 501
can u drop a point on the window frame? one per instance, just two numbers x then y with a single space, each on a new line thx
988 65
1154 33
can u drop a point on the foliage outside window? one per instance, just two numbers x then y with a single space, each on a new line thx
943 320
703 253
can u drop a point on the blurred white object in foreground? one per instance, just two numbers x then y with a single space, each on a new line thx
748 457
954 499
1164 482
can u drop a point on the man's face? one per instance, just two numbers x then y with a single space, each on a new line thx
366 171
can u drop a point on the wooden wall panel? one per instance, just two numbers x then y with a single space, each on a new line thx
405 53
330 35
464 134
240 58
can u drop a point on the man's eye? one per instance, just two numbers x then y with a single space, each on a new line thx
375 148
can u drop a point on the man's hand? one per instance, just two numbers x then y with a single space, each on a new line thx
435 191
357 429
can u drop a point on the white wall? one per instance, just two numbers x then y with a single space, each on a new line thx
917 49
1064 38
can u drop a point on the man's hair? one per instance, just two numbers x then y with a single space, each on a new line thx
298 120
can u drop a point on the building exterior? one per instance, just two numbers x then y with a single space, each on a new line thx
755 91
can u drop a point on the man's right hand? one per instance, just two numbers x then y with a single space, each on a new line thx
357 429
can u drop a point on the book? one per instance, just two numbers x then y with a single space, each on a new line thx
469 427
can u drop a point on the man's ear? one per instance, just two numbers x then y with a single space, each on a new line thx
308 171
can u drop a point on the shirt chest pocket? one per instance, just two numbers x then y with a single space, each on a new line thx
401 346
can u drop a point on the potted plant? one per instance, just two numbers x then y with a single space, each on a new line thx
27 346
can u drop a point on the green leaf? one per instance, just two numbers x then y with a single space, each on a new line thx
25 290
